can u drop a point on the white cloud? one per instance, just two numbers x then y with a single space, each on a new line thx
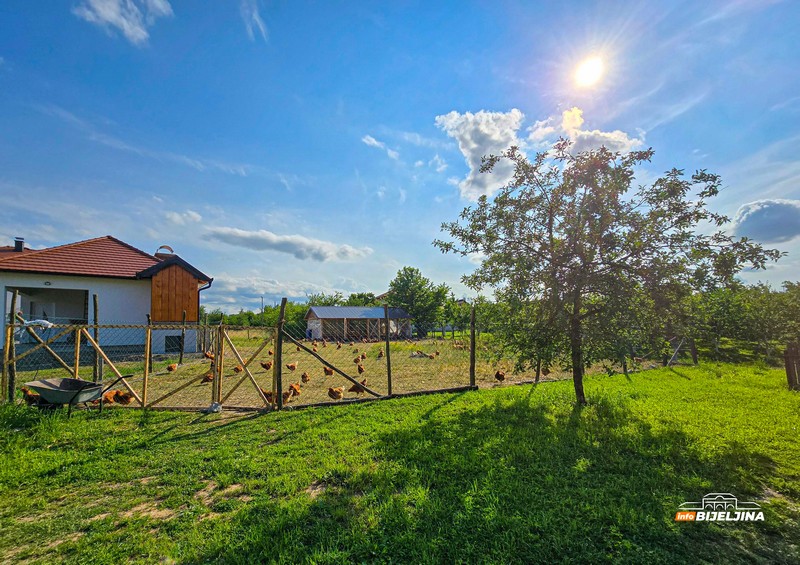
438 163
770 221
480 134
131 17
402 197
230 292
252 19
300 246
541 133
372 142
180 219
419 164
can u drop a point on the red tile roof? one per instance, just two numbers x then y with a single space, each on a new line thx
6 249
100 257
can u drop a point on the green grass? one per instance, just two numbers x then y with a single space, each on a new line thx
515 473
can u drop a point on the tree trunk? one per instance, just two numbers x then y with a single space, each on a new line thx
693 350
538 369
576 345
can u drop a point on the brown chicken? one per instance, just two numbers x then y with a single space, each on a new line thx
352 343
294 388
267 394
358 389
336 393
338 346
357 360
208 355
314 349
436 353
109 396
431 356
363 356
361 369
328 371
238 369
172 368
500 376
298 348
291 366
305 377
123 397
381 354
270 352
30 397
266 365
287 396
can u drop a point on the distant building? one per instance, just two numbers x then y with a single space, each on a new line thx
347 323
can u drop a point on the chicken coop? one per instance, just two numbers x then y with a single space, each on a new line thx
356 323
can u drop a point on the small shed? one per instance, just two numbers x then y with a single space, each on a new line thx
349 323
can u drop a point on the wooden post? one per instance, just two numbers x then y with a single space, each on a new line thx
149 358
219 361
791 357
277 374
96 367
77 353
183 337
388 352
472 347
148 335
12 352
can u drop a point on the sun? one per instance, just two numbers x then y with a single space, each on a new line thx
589 71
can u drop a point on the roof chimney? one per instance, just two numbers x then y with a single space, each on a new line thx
19 244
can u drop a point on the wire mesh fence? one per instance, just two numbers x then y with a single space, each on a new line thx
194 366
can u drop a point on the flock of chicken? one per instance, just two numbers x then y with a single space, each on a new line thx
109 397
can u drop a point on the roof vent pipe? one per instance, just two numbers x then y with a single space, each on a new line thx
19 244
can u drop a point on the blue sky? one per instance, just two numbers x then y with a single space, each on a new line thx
286 148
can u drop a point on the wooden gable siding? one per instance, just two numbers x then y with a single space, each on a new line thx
174 290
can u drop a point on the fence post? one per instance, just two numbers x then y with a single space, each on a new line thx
277 374
12 367
790 359
388 352
472 346
96 331
77 353
219 360
183 337
148 336
149 359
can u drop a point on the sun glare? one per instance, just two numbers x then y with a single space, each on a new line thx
589 71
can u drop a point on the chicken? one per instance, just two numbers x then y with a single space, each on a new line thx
238 369
357 360
314 349
336 393
270 352
294 388
123 397
355 350
436 353
109 396
431 356
500 376
381 354
338 346
298 348
287 396
208 377
172 368
291 366
305 377
267 365
358 389
208 355
363 356
352 343
328 371
361 369
30 397
324 343
267 394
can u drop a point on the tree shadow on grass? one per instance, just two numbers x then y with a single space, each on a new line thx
533 480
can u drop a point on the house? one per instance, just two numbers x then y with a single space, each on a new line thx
57 284
355 322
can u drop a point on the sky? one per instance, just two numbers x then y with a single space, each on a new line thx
288 148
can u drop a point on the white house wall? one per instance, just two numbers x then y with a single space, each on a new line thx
120 301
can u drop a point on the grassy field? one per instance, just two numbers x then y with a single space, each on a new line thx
515 473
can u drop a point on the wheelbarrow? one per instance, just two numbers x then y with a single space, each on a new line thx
66 391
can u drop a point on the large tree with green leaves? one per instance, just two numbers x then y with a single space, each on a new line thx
574 233
418 296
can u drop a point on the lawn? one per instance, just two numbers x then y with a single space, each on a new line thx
513 473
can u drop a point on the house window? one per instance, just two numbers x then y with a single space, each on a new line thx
172 344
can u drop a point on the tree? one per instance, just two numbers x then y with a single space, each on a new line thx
418 296
361 299
322 299
571 232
